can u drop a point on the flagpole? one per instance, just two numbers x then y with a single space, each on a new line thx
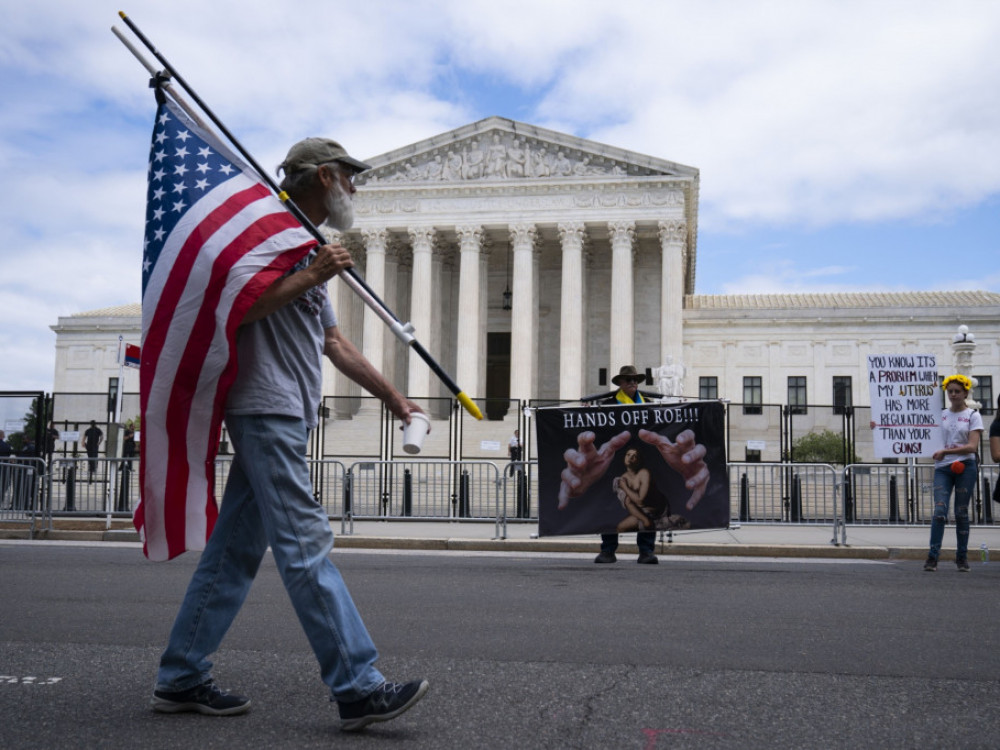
402 331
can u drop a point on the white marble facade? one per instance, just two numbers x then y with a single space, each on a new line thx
598 246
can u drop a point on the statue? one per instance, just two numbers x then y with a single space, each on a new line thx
670 378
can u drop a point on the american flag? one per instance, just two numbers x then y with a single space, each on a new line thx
215 239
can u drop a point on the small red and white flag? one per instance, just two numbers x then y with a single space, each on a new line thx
132 355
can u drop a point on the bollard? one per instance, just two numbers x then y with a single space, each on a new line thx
744 498
522 495
407 493
893 501
463 495
796 509
70 489
347 494
987 505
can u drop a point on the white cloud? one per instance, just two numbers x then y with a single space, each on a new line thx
797 112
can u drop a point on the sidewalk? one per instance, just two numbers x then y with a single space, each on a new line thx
751 540
870 542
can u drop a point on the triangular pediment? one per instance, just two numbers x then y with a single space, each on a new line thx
498 149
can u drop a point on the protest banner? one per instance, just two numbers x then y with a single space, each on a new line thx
606 469
906 404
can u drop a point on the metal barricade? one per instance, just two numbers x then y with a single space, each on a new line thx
432 490
784 493
519 491
904 494
22 493
327 479
93 486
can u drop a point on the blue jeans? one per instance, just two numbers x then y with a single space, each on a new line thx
269 501
964 484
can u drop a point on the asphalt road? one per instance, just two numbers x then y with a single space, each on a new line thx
522 651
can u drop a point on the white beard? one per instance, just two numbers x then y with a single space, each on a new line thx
339 208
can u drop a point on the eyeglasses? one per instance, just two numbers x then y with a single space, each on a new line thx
633 380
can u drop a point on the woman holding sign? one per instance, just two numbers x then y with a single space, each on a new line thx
955 469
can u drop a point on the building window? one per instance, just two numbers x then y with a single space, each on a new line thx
708 388
753 395
983 393
842 398
797 394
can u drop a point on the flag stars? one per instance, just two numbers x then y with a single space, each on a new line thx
201 184
226 169
182 152
182 136
179 206
180 169
164 118
158 193
203 167
204 152
158 214
179 188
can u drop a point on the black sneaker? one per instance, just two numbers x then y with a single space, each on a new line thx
606 557
931 565
963 566
647 558
389 700
206 698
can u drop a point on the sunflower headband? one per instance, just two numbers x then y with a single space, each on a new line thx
960 379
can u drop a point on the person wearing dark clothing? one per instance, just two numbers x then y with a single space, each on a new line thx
628 392
125 486
5 471
92 440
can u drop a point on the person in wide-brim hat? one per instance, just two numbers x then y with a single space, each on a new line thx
628 371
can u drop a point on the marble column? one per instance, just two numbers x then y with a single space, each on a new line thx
470 240
523 331
571 341
622 346
374 329
673 235
390 364
421 296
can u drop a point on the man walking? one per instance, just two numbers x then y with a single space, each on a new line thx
268 499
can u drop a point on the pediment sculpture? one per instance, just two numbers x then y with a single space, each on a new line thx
499 156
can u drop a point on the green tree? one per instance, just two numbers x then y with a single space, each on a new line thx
821 447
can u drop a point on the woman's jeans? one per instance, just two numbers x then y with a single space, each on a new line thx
269 502
964 484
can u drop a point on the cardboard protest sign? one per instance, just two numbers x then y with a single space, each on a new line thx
605 469
906 405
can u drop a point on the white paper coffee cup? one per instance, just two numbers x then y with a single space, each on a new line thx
415 432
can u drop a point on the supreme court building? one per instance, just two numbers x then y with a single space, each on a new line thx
533 264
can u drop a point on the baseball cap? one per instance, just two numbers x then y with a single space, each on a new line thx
311 152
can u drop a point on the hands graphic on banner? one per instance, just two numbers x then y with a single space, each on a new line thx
586 463
686 457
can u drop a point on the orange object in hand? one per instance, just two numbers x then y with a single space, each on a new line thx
957 467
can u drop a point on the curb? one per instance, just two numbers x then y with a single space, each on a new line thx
360 542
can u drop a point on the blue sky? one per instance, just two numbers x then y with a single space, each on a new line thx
843 146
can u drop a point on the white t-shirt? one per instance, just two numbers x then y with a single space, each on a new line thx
957 426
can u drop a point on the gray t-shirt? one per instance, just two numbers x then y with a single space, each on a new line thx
281 358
